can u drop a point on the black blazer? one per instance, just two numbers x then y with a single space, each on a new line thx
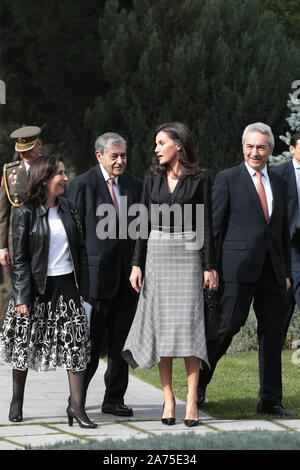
287 172
239 220
108 258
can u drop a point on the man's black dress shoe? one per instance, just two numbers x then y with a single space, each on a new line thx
200 397
118 410
263 408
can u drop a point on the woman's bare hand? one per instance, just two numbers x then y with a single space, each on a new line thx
22 309
136 278
211 279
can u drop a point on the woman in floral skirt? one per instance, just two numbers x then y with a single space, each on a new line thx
45 324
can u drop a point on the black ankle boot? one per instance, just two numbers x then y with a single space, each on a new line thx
84 421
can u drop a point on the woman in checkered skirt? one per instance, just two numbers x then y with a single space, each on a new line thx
178 262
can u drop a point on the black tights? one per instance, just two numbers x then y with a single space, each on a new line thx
77 393
19 379
76 384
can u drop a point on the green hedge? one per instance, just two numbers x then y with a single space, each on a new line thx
235 440
246 339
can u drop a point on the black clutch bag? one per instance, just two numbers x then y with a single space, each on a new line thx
211 304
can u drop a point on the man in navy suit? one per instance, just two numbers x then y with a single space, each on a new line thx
250 216
290 171
112 298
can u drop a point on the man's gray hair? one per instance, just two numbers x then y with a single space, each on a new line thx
263 129
108 139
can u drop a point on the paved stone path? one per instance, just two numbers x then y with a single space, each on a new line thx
45 420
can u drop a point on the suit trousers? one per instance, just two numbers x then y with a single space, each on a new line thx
110 324
270 302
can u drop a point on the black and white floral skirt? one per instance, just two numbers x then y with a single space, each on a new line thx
54 334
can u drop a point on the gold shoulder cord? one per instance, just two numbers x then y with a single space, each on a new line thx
6 188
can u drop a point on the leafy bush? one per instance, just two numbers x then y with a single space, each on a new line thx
293 333
248 440
246 339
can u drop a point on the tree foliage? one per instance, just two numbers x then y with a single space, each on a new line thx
214 65
82 68
294 126
49 61
287 12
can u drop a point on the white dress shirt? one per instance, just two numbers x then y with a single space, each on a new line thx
265 181
27 167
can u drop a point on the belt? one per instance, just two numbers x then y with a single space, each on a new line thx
163 228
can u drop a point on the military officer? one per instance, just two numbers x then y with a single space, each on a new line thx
13 184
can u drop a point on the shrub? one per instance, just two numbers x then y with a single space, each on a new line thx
235 440
246 339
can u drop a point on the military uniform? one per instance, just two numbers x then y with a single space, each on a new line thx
14 183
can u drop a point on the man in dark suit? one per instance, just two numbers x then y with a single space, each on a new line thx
250 216
290 172
108 187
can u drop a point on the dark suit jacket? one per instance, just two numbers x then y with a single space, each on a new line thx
287 172
108 258
239 219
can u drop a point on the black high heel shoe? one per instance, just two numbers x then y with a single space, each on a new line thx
83 422
15 417
190 423
168 421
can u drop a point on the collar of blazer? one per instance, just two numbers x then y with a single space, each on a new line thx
43 209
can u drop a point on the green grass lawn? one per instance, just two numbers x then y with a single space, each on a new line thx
233 391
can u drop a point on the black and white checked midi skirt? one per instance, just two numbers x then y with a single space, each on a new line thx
169 321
